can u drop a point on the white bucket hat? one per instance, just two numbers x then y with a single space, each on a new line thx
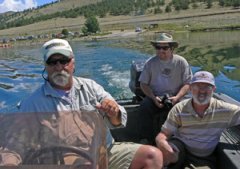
165 38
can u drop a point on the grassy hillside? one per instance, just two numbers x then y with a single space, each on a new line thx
197 18
51 8
62 6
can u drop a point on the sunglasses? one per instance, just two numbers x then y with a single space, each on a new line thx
62 61
162 47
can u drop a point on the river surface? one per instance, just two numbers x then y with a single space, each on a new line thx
21 67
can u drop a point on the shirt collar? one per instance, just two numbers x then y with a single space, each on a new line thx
209 110
49 90
77 83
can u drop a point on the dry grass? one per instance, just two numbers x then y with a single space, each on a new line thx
196 18
62 6
46 27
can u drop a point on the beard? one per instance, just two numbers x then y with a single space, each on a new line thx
202 99
60 78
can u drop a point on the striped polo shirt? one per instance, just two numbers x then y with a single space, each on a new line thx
201 135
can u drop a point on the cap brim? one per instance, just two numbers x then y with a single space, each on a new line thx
202 81
58 51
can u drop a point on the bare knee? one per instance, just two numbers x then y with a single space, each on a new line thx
147 157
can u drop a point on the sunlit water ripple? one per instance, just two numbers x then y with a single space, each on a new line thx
21 69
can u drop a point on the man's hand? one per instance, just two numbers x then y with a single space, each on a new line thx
174 99
170 155
170 152
110 107
158 102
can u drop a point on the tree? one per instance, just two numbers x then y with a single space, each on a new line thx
157 10
65 32
168 9
91 25
221 3
209 4
84 31
195 5
236 3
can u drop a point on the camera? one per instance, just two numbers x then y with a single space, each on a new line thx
166 101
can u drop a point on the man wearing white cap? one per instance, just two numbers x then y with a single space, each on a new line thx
194 126
165 73
63 93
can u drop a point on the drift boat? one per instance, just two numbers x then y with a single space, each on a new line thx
228 149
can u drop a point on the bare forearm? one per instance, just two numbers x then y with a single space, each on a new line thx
161 137
169 155
116 120
112 110
182 91
147 91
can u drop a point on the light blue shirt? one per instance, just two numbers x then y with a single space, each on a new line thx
84 95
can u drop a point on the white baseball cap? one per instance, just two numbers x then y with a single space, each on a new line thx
55 46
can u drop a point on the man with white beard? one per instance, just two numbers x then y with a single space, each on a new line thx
61 103
193 127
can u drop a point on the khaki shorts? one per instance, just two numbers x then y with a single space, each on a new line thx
121 154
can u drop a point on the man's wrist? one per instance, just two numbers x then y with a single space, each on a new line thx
116 120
